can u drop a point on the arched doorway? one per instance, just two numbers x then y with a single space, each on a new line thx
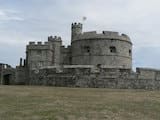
6 79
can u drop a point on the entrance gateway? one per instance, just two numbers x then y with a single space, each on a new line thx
6 79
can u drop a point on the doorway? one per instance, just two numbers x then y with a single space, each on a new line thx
6 79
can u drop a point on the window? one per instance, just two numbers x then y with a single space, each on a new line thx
130 52
87 49
113 49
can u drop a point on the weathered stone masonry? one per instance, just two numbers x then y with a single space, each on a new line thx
101 77
92 60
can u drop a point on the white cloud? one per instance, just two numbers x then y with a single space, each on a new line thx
9 15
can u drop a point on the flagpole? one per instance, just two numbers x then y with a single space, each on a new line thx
84 18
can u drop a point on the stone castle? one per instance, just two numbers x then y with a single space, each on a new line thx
92 60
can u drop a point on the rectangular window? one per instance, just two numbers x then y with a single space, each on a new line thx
113 49
87 49
130 52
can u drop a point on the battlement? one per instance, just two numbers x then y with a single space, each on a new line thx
31 43
38 45
76 25
66 49
90 33
139 70
4 66
148 73
104 35
55 38
110 33
69 46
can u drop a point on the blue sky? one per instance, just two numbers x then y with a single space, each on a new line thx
22 21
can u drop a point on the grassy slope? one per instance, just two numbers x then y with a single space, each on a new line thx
50 103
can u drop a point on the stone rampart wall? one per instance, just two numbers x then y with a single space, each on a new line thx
96 77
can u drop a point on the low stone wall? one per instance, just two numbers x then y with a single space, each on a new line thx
8 76
21 75
97 77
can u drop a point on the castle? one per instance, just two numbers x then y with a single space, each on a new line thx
92 60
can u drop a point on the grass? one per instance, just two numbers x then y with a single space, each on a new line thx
53 103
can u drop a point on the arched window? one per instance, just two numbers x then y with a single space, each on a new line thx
113 49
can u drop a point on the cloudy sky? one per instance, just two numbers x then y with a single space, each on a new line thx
22 21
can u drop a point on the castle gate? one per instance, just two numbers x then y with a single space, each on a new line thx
6 79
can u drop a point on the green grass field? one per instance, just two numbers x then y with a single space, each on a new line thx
51 103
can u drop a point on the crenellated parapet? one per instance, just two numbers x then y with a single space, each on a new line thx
38 45
148 73
65 47
110 35
77 25
55 38
44 45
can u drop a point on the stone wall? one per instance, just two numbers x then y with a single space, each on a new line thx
21 75
103 35
8 76
38 54
66 55
96 77
99 51
56 44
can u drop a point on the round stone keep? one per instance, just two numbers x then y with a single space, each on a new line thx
108 48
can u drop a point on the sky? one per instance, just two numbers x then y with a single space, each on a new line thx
22 21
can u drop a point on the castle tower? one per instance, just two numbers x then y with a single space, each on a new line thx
76 29
109 48
56 43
